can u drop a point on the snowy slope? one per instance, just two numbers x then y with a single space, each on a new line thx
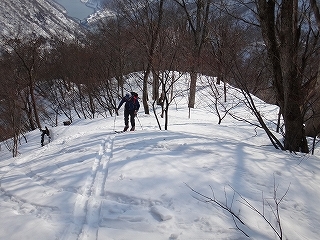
90 183
40 17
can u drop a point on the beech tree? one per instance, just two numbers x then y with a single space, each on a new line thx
197 21
27 55
313 114
282 26
11 113
145 19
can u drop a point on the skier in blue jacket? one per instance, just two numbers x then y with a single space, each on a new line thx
131 108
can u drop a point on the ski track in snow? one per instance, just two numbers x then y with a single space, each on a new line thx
86 216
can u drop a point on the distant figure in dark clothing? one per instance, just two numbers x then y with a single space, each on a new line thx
44 132
131 108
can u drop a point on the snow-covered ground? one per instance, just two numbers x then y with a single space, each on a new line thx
90 183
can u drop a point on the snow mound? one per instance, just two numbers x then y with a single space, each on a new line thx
161 212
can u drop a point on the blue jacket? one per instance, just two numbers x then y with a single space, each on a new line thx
132 104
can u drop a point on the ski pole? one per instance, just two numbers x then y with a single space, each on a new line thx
114 121
139 122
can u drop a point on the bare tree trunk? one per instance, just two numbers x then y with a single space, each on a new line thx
33 101
28 110
192 91
145 89
152 28
293 118
155 85
28 54
199 31
283 57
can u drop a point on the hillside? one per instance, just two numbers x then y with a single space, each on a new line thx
39 17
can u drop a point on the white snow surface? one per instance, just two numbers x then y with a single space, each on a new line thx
90 183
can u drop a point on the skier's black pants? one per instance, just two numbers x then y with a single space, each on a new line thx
44 132
128 113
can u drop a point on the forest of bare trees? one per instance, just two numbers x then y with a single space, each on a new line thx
267 48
